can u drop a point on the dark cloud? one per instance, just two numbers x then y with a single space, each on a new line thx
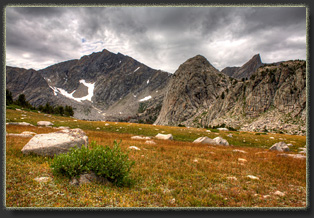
160 37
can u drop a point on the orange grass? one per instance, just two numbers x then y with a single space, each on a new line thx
169 174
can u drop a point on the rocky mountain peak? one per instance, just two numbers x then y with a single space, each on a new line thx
246 70
196 64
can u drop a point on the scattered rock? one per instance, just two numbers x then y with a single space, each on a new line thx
252 177
19 123
216 141
56 142
296 156
134 148
223 129
230 135
240 151
279 193
164 136
150 142
44 123
88 178
242 160
74 181
97 128
289 145
107 124
63 127
204 140
140 137
280 146
208 130
195 160
42 179
221 141
232 178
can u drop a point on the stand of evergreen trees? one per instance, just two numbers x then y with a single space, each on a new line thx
47 108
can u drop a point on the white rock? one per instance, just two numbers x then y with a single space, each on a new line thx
221 141
240 151
204 140
107 124
134 148
140 137
223 129
56 142
97 128
279 193
271 137
230 135
164 136
42 179
242 160
208 130
252 177
150 142
232 178
280 146
44 123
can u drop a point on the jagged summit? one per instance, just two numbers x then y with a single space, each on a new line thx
246 70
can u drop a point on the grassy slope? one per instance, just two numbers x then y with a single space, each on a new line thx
169 174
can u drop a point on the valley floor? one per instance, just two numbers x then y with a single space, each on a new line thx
170 173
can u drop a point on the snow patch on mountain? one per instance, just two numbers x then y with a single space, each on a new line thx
88 97
146 98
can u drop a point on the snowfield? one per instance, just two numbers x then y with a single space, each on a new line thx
146 98
88 97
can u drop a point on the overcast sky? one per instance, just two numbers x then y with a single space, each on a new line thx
160 37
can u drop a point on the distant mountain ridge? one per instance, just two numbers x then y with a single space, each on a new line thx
117 83
108 86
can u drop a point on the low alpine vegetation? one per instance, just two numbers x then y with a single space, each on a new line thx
109 163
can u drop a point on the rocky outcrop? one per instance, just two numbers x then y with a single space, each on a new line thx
56 142
196 84
272 99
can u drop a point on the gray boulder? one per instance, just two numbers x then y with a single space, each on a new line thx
56 142
280 146
164 136
44 123
204 140
215 141
221 141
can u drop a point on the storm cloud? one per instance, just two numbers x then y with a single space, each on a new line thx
160 37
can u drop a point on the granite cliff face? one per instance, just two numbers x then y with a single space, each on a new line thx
273 99
196 84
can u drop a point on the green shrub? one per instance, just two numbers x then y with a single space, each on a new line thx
106 162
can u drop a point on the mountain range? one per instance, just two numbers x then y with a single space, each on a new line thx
116 87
